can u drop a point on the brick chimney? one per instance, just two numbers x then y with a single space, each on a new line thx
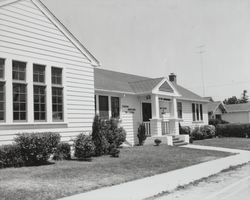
173 78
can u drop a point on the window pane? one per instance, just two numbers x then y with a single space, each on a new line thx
19 70
193 111
103 107
39 103
38 73
115 107
179 109
19 102
57 106
197 112
56 76
201 111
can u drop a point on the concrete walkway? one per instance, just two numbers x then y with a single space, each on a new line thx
150 186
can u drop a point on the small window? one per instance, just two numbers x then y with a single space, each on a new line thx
19 102
201 112
179 110
115 107
57 104
2 102
38 73
39 103
56 76
193 111
19 71
104 107
2 62
218 117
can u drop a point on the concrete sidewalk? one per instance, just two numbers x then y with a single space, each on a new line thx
150 186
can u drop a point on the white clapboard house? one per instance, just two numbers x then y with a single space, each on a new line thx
50 82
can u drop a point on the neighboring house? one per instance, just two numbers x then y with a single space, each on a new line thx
216 110
46 75
159 103
237 113
48 82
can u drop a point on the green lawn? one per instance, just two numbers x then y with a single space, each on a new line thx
71 177
234 143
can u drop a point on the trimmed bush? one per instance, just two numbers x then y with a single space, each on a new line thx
10 156
216 122
62 152
99 130
114 151
203 132
233 130
157 142
36 148
84 147
141 134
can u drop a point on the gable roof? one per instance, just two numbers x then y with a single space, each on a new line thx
213 106
60 26
243 107
107 80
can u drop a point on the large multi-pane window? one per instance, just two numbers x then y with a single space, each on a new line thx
39 103
38 73
19 71
2 102
2 61
39 92
57 94
57 104
115 107
19 91
197 112
19 102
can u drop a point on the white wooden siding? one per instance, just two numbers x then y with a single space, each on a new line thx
239 117
26 34
131 121
187 115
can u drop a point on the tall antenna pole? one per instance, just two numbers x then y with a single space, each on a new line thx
201 52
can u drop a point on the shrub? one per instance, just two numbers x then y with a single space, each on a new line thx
10 156
157 142
99 130
62 152
84 147
141 134
113 134
216 122
184 130
233 130
203 132
36 148
114 152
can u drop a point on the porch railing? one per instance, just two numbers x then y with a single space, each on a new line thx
147 127
165 127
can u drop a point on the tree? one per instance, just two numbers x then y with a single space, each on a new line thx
231 100
244 97
235 100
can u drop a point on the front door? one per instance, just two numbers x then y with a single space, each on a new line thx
146 112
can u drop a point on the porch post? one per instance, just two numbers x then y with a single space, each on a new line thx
174 122
156 121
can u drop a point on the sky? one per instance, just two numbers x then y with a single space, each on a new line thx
153 38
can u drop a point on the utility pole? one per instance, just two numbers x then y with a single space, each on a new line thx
201 52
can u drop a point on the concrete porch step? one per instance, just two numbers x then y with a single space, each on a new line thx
151 140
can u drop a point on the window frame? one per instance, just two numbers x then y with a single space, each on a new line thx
44 74
25 72
58 104
2 67
40 103
101 111
61 74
